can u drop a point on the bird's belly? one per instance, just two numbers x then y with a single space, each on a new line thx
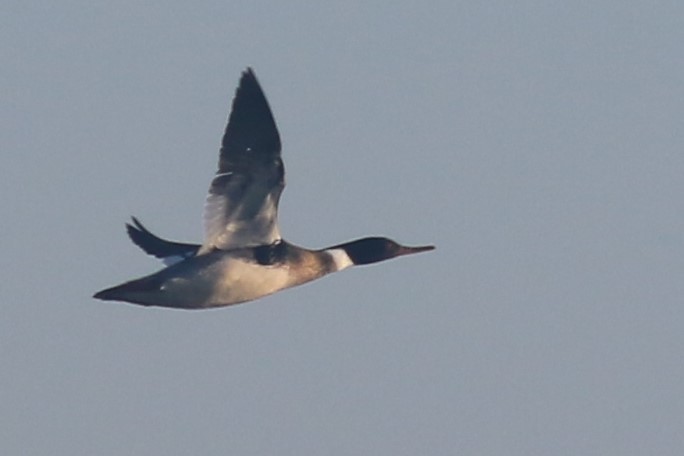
224 282
243 281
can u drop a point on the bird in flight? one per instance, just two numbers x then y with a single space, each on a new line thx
243 256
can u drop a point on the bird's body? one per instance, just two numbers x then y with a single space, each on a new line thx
221 278
243 256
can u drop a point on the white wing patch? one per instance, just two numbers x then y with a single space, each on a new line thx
170 260
241 209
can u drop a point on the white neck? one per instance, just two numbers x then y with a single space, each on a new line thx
340 259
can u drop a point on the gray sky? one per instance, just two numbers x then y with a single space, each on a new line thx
539 145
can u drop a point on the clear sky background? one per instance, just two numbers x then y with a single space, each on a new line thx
539 145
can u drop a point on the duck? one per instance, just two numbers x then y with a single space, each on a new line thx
243 256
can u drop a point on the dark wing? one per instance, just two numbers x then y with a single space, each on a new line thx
242 206
169 252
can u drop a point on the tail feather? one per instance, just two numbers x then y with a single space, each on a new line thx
134 291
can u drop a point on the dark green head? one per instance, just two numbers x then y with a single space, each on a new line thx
374 249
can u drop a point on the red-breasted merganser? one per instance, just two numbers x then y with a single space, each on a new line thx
243 256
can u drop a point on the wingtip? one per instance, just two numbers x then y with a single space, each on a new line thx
137 224
136 228
248 73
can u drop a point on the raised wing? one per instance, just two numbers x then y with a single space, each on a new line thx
242 206
168 251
